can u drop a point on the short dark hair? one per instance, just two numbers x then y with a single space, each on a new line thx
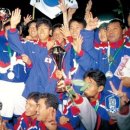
0 25
97 75
34 96
79 20
116 20
6 24
44 21
58 25
32 21
50 100
103 26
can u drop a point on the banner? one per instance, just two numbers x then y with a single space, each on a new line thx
51 7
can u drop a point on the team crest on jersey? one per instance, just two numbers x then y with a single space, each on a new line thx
112 103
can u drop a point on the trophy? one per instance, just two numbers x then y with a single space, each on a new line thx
4 14
58 54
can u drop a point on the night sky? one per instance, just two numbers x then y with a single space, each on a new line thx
101 8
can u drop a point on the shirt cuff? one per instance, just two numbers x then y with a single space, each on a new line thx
2 33
13 30
79 100
70 39
81 53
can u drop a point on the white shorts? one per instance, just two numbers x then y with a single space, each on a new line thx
11 98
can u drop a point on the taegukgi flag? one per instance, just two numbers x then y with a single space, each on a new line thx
50 7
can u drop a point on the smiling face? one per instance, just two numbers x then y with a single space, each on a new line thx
75 29
114 32
42 110
128 19
43 32
31 108
57 35
32 30
103 35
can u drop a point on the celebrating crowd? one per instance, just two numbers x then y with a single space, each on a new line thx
64 76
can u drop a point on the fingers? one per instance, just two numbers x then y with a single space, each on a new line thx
113 87
120 86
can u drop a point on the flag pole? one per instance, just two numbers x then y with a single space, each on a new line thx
34 7
33 13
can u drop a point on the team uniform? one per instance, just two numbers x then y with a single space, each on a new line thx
13 75
116 50
41 78
68 110
27 123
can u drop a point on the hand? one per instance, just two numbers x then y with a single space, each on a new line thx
89 6
122 95
92 23
63 6
71 11
15 18
3 124
63 120
26 59
28 38
77 44
50 123
126 81
27 19
61 87
65 31
58 74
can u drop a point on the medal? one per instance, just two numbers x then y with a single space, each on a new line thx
109 74
11 75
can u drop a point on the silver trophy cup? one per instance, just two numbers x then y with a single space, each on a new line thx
58 54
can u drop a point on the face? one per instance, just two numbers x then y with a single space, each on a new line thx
93 90
42 111
43 32
128 19
31 108
114 32
75 29
58 36
103 35
32 30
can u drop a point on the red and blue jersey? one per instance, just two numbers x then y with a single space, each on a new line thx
26 123
103 64
19 68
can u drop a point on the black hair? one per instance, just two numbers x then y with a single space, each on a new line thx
116 20
79 20
32 21
97 75
0 25
44 21
50 100
6 24
58 25
103 26
34 96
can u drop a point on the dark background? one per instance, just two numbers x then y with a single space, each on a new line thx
101 8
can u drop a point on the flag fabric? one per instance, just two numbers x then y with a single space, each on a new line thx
51 7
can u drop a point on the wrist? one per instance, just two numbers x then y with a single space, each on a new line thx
13 26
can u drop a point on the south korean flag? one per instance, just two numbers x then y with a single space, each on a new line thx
51 7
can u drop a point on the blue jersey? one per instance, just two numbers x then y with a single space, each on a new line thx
41 74
19 68
103 60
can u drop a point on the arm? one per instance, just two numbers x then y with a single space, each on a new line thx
87 113
63 8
